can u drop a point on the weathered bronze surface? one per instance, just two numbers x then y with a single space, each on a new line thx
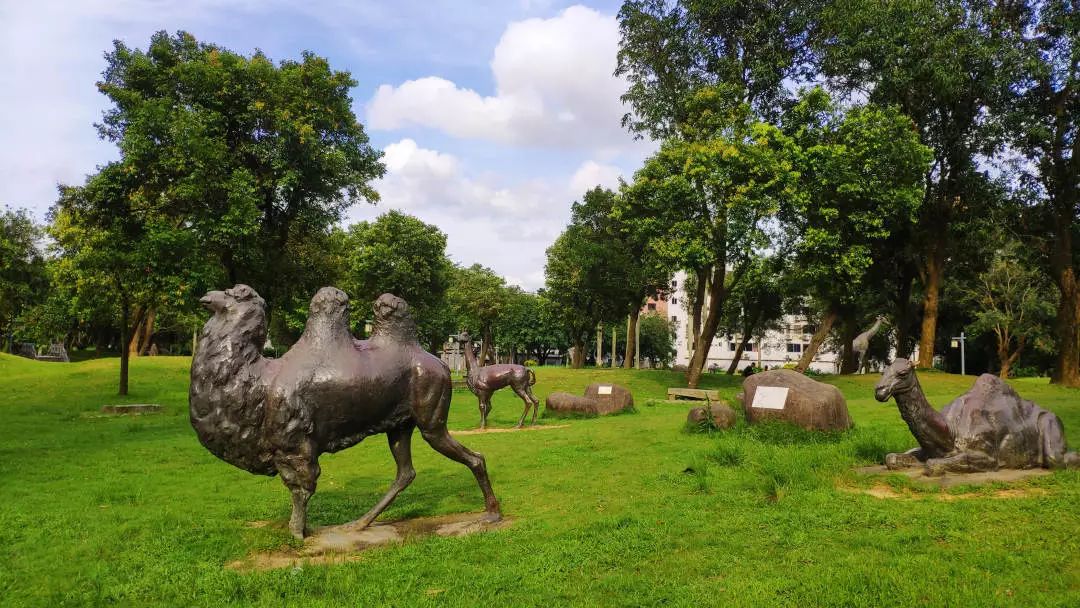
987 428
484 381
329 392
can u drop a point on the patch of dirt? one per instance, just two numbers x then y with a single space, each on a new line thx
949 480
510 430
344 543
889 493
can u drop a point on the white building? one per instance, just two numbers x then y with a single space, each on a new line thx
777 348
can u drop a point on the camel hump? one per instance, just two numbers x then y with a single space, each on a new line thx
329 299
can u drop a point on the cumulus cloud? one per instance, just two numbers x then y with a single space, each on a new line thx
554 86
506 225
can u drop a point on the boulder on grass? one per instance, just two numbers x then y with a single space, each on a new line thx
612 398
566 404
810 404
723 417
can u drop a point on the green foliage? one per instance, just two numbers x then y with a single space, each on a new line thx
255 160
529 323
657 338
23 278
399 254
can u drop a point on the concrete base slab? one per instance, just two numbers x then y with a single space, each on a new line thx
545 427
335 544
949 480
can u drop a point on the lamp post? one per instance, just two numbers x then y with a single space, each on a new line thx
958 341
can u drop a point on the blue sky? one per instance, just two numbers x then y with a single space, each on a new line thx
494 116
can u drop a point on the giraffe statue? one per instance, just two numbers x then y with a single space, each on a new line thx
861 343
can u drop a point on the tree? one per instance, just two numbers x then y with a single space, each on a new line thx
1012 300
23 278
948 66
118 243
706 199
528 323
477 296
1045 128
588 272
399 254
256 159
755 304
668 50
657 338
862 174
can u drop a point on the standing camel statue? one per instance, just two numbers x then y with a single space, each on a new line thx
484 381
861 343
329 392
987 428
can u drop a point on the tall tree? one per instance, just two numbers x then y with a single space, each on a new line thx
23 278
255 158
755 304
947 65
707 199
400 254
862 173
477 296
1045 124
588 271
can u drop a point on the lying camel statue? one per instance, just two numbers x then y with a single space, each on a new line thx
987 428
329 392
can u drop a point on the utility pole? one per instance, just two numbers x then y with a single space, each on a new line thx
637 344
959 341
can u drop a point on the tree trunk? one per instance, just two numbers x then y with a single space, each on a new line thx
699 301
737 358
631 338
849 362
1007 360
614 333
708 330
485 346
599 344
1067 370
816 341
132 340
125 353
935 271
577 357
903 320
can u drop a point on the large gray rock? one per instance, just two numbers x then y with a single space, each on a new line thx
612 398
808 403
566 404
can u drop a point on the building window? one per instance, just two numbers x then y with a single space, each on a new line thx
652 306
731 346
674 319
673 300
794 347
749 347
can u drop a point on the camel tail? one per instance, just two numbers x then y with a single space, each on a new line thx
532 377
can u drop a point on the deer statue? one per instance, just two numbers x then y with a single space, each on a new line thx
484 381
987 428
861 343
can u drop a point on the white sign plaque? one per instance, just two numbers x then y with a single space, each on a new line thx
770 397
603 390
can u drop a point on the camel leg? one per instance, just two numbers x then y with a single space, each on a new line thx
446 445
904 460
962 462
400 440
299 473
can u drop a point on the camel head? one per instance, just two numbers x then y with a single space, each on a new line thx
330 304
464 337
238 309
898 378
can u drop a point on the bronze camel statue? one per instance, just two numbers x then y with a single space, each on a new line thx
327 393
484 381
987 428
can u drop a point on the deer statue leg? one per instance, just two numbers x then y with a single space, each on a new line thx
527 399
446 445
485 407
299 473
535 402
400 440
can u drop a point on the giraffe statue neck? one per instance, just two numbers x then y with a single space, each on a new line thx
471 365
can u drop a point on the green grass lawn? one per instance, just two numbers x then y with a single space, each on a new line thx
621 511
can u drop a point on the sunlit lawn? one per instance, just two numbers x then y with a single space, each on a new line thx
621 511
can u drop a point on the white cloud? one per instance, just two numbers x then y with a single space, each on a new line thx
506 226
554 86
